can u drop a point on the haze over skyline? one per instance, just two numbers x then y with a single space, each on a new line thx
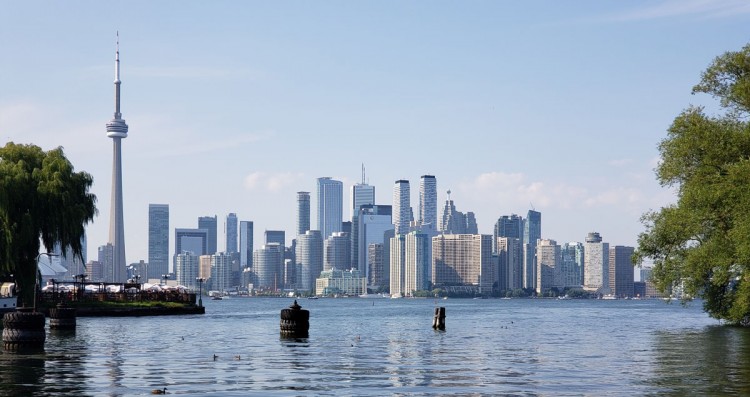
235 107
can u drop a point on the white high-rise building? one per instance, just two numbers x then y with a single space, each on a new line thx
510 263
187 269
266 264
362 194
221 271
310 258
398 264
336 252
401 207
330 206
417 262
428 201
596 264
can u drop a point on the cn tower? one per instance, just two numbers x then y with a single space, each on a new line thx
117 130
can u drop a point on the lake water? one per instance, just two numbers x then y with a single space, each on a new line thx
388 347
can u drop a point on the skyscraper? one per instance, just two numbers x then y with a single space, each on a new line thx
398 263
117 130
310 257
330 206
303 212
246 244
267 260
508 226
596 264
428 201
186 269
336 252
510 263
401 208
362 194
210 224
374 221
231 233
191 240
275 236
532 232
158 240
417 260
621 271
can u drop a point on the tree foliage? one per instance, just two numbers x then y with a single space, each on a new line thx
702 242
42 202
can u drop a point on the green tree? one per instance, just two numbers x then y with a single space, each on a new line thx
42 201
702 242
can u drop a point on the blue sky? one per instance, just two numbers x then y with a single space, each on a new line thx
234 106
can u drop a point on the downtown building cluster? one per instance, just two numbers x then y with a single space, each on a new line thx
388 248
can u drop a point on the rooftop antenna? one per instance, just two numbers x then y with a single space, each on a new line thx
532 206
363 173
449 195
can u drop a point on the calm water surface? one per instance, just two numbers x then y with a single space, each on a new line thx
387 347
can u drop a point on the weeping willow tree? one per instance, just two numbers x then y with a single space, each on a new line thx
42 202
702 242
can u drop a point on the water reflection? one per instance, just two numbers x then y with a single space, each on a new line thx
20 373
712 361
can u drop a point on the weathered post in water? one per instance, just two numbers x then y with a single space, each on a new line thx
62 317
295 322
438 322
23 330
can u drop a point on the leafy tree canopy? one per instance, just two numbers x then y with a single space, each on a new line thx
42 201
702 243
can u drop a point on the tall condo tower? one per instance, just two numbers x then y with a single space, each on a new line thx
158 240
428 200
330 206
362 194
117 130
401 208
303 212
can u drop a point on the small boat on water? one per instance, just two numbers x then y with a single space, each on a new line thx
312 297
217 298
8 298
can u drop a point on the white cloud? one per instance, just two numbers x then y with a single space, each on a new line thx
271 182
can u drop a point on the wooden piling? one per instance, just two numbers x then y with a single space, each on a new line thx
438 322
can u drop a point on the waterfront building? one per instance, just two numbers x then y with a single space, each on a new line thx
158 240
398 264
572 264
428 200
231 233
336 252
374 222
417 262
401 207
303 212
510 263
221 272
330 206
210 224
549 260
376 264
117 129
310 258
462 260
267 262
94 270
204 267
187 269
532 232
139 269
621 271
361 194
342 282
596 264
106 254
246 244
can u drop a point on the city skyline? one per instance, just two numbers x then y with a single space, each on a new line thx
545 106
